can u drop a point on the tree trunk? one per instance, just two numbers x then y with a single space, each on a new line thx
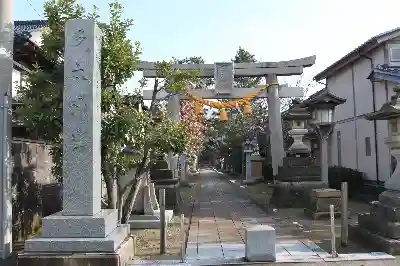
120 201
126 208
108 179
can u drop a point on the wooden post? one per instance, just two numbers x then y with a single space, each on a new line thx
163 235
345 215
333 241
183 239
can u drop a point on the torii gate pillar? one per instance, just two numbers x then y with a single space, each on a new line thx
275 124
173 106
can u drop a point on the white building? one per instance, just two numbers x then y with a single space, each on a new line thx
27 39
365 77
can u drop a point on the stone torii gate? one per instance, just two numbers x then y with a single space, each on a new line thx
224 74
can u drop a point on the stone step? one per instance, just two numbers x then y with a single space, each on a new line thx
107 244
377 225
385 212
298 161
299 171
149 221
299 178
144 224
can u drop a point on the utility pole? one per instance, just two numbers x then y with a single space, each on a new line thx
6 70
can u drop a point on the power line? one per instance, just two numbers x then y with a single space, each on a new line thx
29 3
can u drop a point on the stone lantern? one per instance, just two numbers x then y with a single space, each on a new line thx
298 117
322 108
253 160
247 150
382 225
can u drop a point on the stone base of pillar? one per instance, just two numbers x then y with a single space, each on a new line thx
380 227
110 243
294 195
121 256
320 201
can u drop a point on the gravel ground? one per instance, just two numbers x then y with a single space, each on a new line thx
148 240
148 243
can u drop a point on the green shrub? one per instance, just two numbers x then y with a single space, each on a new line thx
339 174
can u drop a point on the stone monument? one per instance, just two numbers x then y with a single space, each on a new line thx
381 227
82 226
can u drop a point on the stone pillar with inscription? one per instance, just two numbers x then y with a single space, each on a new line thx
82 226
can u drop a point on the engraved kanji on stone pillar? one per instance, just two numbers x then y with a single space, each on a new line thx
224 77
82 120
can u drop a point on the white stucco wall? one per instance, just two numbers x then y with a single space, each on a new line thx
352 84
16 76
341 86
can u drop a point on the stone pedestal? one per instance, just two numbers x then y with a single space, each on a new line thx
295 181
119 257
294 195
320 202
381 227
260 244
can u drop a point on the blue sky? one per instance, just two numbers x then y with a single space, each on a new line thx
273 30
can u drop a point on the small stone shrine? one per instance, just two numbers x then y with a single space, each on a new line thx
381 227
296 178
82 227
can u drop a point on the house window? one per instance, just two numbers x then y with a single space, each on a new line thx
395 54
339 148
367 146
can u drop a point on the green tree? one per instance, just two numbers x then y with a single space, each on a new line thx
122 123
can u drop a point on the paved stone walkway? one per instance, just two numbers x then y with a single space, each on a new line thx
219 220
217 229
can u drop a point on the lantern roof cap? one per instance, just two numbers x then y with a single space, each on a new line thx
297 112
322 97
388 110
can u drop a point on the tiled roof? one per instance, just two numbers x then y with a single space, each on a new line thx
25 27
356 53
384 72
